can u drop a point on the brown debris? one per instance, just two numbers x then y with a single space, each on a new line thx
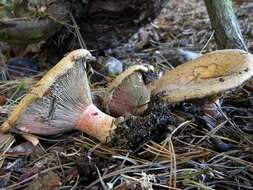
46 181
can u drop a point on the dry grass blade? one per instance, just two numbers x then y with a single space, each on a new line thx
6 141
173 168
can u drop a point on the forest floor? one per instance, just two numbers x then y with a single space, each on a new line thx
196 152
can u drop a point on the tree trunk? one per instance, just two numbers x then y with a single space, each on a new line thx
225 24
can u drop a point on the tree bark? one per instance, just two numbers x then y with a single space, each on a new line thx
225 24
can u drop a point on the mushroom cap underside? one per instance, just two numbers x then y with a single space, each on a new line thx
43 87
127 93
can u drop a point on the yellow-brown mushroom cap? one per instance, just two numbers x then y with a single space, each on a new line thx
208 75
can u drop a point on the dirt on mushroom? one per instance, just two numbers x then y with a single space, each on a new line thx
155 125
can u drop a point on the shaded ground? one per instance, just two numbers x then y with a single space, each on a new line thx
188 153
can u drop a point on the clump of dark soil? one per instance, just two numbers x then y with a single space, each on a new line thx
136 130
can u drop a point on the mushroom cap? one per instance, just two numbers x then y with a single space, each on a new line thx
127 93
61 101
40 90
208 75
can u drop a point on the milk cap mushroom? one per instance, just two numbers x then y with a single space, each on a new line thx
127 93
206 76
61 101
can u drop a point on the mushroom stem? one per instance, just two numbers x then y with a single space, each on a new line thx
212 109
96 123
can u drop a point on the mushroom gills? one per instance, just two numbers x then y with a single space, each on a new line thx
61 101
59 109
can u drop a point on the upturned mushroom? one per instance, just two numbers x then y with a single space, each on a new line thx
205 77
127 93
61 101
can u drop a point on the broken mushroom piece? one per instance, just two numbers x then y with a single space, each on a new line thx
127 93
61 101
205 77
